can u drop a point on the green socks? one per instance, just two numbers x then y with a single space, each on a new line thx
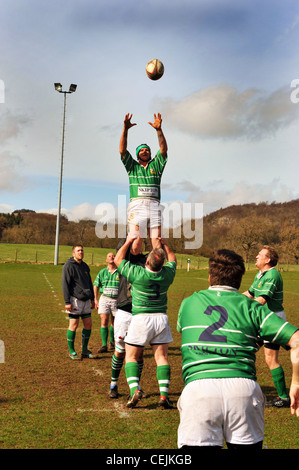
279 382
117 363
104 335
132 376
163 376
85 339
71 335
71 341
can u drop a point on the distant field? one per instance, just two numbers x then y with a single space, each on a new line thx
48 401
44 254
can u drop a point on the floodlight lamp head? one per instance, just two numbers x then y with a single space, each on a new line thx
58 86
73 88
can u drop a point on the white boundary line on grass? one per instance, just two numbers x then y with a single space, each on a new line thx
119 408
121 411
53 291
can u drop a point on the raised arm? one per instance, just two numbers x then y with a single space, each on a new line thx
124 136
157 124
121 254
169 253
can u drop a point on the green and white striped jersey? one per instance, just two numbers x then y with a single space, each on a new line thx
145 182
269 283
108 283
220 328
149 288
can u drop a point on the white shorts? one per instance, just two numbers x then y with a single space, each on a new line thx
122 322
281 315
214 410
145 213
149 328
107 305
80 307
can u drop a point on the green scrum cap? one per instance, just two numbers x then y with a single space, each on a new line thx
140 147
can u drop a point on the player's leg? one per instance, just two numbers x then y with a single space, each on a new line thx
122 321
71 335
137 223
271 357
154 235
86 332
104 331
116 366
111 331
133 353
136 246
163 373
155 223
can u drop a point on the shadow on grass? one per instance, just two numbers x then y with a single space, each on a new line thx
269 392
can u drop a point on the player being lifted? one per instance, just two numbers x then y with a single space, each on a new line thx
144 209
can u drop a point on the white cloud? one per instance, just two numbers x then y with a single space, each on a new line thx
6 208
10 168
76 213
241 193
223 112
11 125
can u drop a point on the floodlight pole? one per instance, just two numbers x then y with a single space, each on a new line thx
72 89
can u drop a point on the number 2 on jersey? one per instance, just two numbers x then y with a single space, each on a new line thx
207 334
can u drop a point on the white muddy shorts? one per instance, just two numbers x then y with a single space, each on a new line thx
122 322
107 305
149 328
144 213
80 307
214 410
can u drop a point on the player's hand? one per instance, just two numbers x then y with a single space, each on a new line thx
127 122
157 124
294 396
162 241
131 237
68 307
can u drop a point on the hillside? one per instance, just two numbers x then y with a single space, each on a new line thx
244 228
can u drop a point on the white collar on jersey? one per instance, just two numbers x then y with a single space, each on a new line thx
151 271
261 273
224 288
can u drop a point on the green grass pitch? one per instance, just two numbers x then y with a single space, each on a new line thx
48 401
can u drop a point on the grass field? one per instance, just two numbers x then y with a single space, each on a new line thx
48 401
44 254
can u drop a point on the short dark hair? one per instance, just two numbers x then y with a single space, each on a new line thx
75 246
226 268
272 254
156 259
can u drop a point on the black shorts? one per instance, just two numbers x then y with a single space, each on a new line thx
273 346
82 315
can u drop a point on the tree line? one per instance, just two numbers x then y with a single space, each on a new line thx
243 228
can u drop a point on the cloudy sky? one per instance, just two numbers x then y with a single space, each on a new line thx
228 100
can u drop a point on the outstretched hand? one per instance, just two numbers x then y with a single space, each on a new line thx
127 122
157 122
